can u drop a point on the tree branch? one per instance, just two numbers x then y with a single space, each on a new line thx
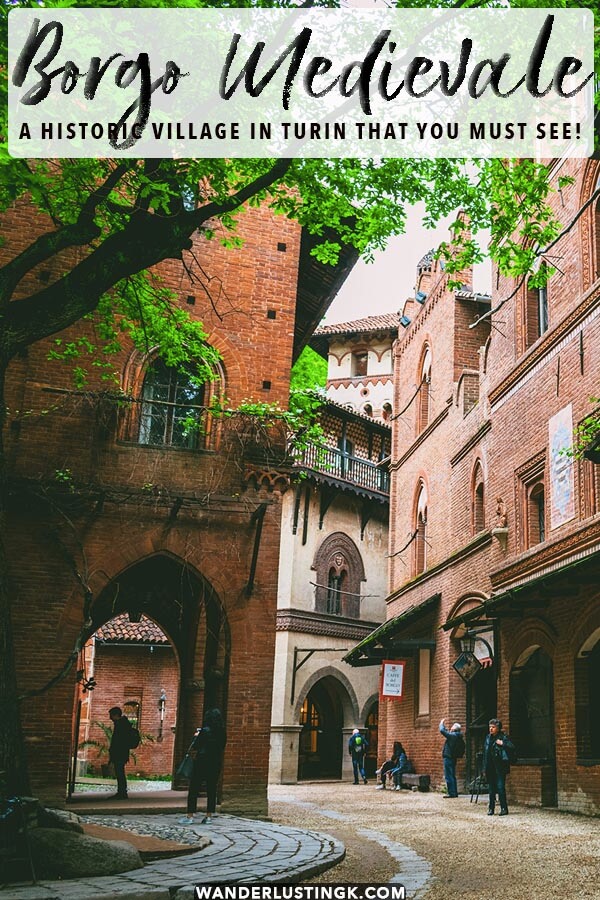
144 241
81 232
541 252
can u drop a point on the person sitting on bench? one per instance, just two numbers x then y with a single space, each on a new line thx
391 766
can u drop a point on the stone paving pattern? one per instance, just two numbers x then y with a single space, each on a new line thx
241 850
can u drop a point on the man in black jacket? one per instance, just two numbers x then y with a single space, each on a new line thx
497 752
454 748
120 745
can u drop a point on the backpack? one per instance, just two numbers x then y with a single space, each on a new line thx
358 743
512 755
459 747
135 738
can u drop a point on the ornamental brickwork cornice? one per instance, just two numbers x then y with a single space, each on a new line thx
263 477
425 311
578 544
323 624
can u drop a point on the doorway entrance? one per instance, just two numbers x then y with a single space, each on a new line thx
532 717
160 596
321 738
131 665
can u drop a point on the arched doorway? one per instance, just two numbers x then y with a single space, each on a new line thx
532 716
131 665
321 738
173 595
481 707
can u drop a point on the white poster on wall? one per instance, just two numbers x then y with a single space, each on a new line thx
562 485
392 679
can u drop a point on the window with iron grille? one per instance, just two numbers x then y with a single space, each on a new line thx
172 410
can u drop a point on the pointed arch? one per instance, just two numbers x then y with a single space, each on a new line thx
420 528
340 572
477 498
424 380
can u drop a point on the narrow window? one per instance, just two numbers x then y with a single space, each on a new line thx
334 592
478 501
423 407
536 313
359 364
420 551
536 514
424 682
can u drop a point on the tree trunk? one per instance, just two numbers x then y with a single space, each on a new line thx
14 778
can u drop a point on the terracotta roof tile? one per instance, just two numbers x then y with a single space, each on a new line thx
121 629
383 322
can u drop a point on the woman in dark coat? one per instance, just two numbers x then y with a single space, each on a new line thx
209 745
392 766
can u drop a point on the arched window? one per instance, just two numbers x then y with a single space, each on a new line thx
368 410
386 412
420 526
423 404
173 409
478 499
339 575
587 698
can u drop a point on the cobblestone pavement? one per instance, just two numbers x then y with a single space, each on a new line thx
242 850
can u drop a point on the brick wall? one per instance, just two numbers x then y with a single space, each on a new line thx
121 506
492 397
130 672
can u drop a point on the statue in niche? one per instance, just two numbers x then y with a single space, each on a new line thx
501 518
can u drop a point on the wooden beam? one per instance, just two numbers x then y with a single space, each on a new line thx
257 518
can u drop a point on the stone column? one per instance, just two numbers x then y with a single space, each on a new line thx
283 761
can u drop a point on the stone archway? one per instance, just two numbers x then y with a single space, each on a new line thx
324 715
185 606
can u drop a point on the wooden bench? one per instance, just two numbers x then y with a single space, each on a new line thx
416 782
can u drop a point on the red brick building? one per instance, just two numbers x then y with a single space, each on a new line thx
118 501
134 667
494 531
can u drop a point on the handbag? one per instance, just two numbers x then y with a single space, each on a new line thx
185 767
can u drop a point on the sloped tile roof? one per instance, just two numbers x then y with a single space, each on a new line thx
335 406
383 322
121 629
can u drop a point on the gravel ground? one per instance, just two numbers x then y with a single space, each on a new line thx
181 834
529 855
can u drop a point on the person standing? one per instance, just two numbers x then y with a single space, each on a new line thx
209 745
357 748
454 748
118 752
498 750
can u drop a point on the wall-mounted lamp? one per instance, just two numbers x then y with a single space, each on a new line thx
467 642
421 297
162 702
404 321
